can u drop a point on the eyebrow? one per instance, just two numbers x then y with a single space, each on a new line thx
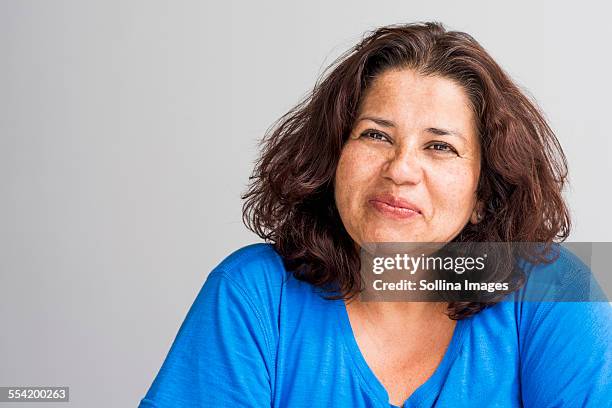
434 130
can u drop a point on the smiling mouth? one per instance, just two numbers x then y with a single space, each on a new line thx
393 211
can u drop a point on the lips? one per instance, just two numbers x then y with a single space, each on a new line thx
393 206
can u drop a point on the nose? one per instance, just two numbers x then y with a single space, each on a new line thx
403 166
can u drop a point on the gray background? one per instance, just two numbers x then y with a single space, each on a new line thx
128 130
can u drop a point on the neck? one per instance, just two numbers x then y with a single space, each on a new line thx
400 313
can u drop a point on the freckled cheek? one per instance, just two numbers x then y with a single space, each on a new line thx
357 166
356 173
453 190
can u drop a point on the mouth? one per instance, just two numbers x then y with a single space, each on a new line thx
394 207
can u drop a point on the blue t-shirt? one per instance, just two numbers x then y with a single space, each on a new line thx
257 337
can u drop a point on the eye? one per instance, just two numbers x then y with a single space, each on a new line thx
376 135
442 147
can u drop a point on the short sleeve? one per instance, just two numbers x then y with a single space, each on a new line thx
221 356
566 355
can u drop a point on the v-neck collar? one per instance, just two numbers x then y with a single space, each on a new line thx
369 379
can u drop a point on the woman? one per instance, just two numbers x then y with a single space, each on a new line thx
415 135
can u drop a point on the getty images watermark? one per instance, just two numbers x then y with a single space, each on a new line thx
484 271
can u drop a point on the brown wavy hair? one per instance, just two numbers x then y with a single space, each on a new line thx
290 199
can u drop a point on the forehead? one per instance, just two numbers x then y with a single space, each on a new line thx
409 96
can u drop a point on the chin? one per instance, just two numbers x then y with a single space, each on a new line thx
389 235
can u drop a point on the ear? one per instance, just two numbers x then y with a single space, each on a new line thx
477 213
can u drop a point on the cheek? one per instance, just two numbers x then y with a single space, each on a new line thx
356 170
355 167
453 189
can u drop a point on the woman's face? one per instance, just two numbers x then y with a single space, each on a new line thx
410 168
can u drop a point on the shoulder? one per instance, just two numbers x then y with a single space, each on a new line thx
253 256
249 284
565 278
562 302
564 327
227 341
561 259
241 295
254 268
